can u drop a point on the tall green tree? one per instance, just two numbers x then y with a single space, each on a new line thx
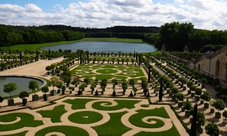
9 88
194 120
212 129
33 85
175 36
54 81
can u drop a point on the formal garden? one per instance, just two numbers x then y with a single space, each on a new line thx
156 79
101 71
89 116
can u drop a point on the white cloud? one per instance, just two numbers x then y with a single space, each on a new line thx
32 8
179 1
204 14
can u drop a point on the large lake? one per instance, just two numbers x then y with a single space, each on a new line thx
92 46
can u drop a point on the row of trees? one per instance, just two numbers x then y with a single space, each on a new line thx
177 35
181 80
11 87
31 35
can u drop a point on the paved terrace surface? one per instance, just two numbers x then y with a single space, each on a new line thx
32 69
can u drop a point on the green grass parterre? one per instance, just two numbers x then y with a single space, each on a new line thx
108 71
115 108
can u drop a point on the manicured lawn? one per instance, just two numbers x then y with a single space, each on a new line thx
108 71
136 119
26 120
78 103
54 114
113 127
110 106
23 47
66 130
18 134
171 132
85 117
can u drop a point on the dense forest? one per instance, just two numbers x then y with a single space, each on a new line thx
175 36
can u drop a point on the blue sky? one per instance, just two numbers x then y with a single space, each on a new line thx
45 5
204 14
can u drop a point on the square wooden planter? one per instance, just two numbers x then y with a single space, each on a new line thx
10 102
35 97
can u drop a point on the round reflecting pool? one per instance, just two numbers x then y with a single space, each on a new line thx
21 82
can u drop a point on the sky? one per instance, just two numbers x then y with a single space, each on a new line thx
203 14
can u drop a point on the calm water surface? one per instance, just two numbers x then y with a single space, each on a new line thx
104 47
22 84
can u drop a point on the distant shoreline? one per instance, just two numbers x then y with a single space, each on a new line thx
23 47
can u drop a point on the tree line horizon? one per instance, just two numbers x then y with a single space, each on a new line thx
175 36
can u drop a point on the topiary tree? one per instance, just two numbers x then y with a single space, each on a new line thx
103 84
187 106
180 97
198 92
48 68
224 114
206 96
87 80
212 101
9 88
212 129
45 89
189 84
183 81
23 96
59 86
81 88
200 120
54 81
33 85
114 81
160 90
219 104
144 83
173 93
135 90
124 87
203 81
92 87
132 82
